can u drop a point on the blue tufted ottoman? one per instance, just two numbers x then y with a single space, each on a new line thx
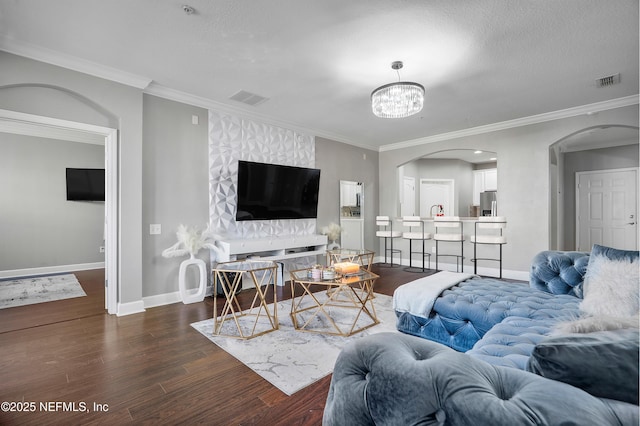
465 313
396 379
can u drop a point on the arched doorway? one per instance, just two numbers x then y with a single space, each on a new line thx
35 125
590 152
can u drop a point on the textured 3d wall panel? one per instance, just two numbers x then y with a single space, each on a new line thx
231 139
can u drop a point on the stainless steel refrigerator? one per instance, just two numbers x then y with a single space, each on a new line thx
488 203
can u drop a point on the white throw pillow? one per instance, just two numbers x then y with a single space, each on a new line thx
611 292
611 287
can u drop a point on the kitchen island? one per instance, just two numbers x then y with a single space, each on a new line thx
452 248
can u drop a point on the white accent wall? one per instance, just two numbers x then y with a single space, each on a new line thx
232 139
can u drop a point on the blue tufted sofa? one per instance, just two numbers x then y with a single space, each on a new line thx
569 379
501 322
397 379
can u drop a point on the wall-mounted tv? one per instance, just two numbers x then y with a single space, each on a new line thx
271 191
85 184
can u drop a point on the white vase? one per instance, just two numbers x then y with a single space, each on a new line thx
196 294
333 245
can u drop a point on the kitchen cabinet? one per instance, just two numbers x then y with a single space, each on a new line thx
484 180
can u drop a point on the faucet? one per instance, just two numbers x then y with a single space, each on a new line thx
438 206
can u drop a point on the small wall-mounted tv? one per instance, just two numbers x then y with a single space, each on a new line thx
85 184
272 191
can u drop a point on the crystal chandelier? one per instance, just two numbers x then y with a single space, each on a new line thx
397 100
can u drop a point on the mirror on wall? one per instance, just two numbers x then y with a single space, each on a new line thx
459 182
351 214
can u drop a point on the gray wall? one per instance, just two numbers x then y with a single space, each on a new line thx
590 160
175 186
460 171
523 175
39 227
37 88
163 175
345 162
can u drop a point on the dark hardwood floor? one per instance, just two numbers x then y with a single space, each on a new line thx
148 368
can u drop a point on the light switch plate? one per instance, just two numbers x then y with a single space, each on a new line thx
155 229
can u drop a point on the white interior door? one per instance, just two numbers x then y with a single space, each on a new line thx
436 191
606 209
408 206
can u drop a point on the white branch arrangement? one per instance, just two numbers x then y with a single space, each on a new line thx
191 241
332 231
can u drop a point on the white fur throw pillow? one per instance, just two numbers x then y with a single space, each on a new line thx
611 292
590 324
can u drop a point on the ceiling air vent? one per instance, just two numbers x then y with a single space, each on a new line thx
248 98
609 80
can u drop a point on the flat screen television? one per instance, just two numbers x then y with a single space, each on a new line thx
85 184
271 191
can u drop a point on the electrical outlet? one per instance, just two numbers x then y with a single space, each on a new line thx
155 229
101 249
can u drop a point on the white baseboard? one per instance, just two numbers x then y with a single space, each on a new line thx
161 299
488 272
130 308
168 298
47 270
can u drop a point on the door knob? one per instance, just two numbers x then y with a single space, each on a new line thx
631 223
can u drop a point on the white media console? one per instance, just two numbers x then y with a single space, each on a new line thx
284 249
277 248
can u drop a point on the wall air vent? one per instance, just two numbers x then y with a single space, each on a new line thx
609 80
248 98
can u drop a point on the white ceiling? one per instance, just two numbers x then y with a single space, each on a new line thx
317 61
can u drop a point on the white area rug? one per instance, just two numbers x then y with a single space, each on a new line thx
27 291
290 359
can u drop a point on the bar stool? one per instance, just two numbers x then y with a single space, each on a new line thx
387 233
449 229
488 230
420 235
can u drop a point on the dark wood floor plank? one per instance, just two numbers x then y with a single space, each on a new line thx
149 368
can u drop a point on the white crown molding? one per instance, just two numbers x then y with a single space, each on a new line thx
51 128
53 57
518 122
148 86
161 91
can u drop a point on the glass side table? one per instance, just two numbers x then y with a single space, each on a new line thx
364 258
344 309
262 316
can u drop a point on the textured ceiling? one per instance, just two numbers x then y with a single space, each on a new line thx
317 61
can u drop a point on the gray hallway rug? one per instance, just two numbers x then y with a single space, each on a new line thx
31 290
292 360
